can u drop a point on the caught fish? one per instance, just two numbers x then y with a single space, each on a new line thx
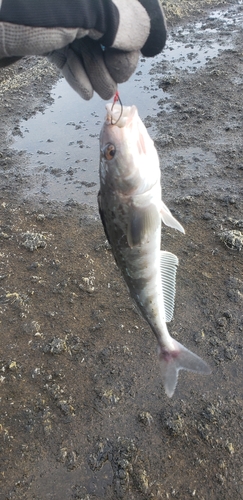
131 210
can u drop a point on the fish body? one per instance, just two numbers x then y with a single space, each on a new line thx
131 210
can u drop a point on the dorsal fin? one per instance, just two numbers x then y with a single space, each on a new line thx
168 268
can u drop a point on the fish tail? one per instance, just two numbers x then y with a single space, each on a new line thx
180 358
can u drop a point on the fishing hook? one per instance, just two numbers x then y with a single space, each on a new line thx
116 98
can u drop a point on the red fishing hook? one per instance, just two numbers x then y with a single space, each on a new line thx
115 99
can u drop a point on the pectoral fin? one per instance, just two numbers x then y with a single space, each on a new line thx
168 268
142 223
168 218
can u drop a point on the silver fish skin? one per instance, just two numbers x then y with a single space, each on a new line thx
131 210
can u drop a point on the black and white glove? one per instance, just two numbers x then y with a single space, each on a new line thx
95 43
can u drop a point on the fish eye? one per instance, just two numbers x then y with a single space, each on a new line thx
109 151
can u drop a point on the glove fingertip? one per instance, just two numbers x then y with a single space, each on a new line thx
93 61
121 65
76 76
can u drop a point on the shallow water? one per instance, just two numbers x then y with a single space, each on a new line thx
61 144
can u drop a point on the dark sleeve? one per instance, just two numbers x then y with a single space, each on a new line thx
101 15
157 38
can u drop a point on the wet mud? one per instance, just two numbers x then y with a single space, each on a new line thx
83 411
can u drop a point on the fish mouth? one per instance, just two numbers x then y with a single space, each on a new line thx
119 116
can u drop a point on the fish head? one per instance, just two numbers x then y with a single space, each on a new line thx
128 159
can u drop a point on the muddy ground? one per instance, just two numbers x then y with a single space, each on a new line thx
83 411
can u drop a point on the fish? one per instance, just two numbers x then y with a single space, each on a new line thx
132 213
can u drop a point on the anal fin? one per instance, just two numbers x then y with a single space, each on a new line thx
168 268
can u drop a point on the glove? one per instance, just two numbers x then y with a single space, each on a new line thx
95 43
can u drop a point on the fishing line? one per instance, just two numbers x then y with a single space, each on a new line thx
116 98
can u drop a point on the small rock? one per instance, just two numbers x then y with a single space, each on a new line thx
199 336
12 365
145 418
232 239
207 216
33 241
40 217
56 346
222 322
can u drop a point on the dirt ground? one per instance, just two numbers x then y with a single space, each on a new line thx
83 411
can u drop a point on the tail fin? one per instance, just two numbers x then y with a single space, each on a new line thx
179 359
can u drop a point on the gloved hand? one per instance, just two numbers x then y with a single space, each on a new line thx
95 43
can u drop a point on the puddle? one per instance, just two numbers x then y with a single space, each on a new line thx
62 143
